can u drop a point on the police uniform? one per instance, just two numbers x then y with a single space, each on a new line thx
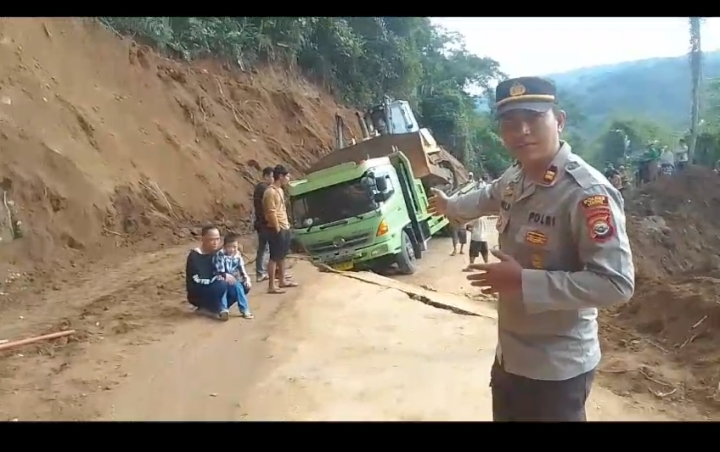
568 233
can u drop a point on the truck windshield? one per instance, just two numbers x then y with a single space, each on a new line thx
329 204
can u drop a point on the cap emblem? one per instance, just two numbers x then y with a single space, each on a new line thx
517 90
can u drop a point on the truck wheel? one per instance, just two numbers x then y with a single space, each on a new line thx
406 258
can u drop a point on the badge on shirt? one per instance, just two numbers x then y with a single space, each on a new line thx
595 201
599 218
537 261
601 228
509 190
536 238
550 175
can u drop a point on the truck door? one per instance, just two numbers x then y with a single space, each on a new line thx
411 200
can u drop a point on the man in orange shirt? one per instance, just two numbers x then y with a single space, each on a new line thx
278 234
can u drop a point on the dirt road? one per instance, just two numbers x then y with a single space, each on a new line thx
334 349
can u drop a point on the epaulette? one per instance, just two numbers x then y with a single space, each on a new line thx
584 174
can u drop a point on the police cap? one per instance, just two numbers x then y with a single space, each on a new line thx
525 93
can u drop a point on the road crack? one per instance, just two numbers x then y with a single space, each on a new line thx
411 294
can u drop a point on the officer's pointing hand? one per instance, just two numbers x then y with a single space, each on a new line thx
438 202
499 277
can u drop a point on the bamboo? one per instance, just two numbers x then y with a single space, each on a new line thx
32 340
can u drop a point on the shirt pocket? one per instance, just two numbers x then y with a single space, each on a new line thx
536 245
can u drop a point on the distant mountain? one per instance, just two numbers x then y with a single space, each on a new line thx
657 89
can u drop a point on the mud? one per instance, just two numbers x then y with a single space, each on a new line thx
665 342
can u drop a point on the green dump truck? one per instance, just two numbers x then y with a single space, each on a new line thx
365 206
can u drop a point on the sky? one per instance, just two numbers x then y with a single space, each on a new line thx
547 45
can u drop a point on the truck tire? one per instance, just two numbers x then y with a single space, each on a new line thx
406 258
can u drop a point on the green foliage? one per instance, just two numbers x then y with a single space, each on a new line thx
625 138
658 89
361 58
707 147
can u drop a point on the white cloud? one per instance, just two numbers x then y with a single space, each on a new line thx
537 46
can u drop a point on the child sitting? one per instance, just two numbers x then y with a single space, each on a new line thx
229 261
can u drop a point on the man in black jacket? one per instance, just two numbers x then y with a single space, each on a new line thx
261 224
207 289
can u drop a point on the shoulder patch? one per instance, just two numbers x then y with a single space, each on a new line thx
595 201
598 217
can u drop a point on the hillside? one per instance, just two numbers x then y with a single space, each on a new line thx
106 146
657 89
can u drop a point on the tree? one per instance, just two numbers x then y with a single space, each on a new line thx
362 59
707 148
624 138
695 57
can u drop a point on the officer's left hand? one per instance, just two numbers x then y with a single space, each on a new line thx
500 277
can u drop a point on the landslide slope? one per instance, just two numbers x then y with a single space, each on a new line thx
666 341
104 144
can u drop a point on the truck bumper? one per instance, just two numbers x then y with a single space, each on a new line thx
350 258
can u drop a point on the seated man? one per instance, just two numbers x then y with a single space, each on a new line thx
207 289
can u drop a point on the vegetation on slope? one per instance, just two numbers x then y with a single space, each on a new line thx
361 59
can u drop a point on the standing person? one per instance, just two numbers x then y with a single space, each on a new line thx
279 229
261 226
681 154
229 261
624 182
564 253
667 161
207 289
458 234
478 242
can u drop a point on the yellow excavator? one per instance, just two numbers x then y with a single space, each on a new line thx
391 127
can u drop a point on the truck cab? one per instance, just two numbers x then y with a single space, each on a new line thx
366 215
365 205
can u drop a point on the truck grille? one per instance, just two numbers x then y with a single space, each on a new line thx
336 244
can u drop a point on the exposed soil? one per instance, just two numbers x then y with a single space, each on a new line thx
110 158
109 152
105 144
666 341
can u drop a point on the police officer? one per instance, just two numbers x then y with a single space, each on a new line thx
564 253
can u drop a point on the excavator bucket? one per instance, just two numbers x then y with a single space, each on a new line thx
420 148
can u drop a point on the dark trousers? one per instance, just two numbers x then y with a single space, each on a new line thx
215 297
516 398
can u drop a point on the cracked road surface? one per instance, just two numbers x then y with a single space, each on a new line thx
336 348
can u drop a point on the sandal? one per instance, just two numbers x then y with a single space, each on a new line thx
248 315
289 284
275 291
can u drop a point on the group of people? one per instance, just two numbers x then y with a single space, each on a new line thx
564 252
653 163
272 226
215 273
656 162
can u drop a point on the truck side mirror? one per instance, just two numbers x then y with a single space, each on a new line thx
379 197
381 184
